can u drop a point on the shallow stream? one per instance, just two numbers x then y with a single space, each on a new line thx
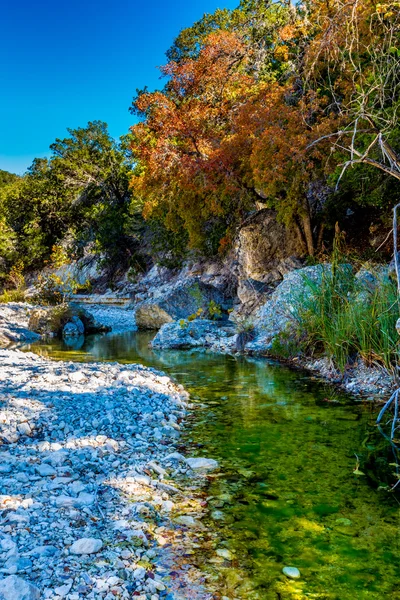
300 484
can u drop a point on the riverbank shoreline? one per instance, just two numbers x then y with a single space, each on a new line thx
88 468
370 383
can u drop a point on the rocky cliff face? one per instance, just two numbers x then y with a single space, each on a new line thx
262 247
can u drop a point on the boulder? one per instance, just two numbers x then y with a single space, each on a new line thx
177 300
151 316
40 321
252 292
278 313
193 334
74 328
266 249
15 588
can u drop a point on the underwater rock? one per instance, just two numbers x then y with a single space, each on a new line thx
202 464
291 572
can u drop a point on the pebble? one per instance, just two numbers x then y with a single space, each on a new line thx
86 546
202 464
291 572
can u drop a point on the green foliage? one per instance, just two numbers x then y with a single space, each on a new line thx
12 296
214 310
54 289
80 192
15 278
6 178
343 320
197 315
168 241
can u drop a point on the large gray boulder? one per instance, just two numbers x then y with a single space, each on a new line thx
177 300
279 313
200 333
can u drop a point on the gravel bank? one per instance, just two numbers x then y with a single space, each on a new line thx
87 478
14 319
119 318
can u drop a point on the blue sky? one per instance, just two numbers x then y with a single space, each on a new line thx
65 63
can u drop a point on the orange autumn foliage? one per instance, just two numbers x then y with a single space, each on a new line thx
217 140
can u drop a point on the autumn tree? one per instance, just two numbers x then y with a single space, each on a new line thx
220 137
178 143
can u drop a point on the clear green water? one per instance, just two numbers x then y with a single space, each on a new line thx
286 494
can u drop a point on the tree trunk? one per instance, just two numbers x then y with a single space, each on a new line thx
307 228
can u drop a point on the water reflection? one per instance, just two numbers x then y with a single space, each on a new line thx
288 446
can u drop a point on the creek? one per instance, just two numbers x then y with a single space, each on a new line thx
303 480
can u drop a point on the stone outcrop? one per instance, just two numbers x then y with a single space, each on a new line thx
255 336
64 320
177 300
200 333
265 251
263 245
278 313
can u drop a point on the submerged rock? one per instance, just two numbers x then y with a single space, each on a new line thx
291 572
202 464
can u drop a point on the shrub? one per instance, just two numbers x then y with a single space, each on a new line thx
12 296
53 289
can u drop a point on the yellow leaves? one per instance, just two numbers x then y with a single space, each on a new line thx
282 53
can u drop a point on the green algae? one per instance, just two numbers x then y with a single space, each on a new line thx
288 496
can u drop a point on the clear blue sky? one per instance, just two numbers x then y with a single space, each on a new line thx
65 63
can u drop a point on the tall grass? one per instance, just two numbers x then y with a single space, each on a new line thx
342 319
345 317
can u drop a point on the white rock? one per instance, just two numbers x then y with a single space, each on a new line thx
15 588
186 520
202 464
24 428
139 573
85 499
291 572
86 546
63 590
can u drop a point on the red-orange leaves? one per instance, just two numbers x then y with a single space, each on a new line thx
179 144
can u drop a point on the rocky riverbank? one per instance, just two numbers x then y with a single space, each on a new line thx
89 476
15 318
